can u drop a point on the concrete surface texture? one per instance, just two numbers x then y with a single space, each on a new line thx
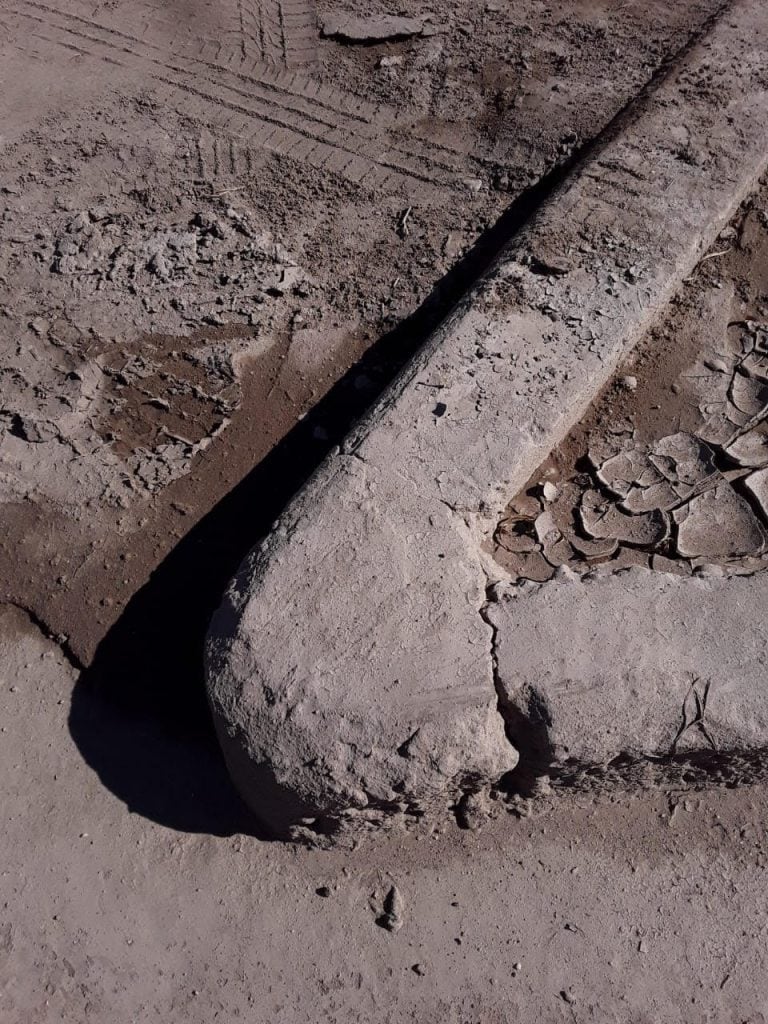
376 700
634 665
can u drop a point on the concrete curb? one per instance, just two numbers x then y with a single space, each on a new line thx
634 674
351 669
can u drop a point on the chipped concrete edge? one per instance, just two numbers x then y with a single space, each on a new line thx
351 667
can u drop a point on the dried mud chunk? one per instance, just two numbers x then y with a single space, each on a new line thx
672 566
758 485
627 558
350 29
718 524
660 495
525 505
748 393
546 528
516 535
751 449
593 549
532 566
620 472
602 520
660 476
684 460
555 547
603 448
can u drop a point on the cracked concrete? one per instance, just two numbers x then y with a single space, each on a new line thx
314 692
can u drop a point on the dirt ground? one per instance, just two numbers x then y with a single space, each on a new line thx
637 911
221 232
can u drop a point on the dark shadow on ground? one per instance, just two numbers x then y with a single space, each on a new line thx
139 714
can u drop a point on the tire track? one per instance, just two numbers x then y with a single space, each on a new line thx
268 77
322 136
281 32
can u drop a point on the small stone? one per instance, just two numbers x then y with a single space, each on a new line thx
472 811
629 383
550 491
392 918
323 891
39 326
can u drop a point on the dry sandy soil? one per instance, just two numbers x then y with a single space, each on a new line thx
221 233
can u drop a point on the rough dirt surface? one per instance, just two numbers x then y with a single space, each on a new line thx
203 227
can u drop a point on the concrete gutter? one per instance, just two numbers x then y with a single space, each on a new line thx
351 667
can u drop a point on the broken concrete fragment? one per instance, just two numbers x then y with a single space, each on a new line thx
718 524
630 666
348 28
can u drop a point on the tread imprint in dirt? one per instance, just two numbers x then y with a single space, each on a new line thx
295 115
